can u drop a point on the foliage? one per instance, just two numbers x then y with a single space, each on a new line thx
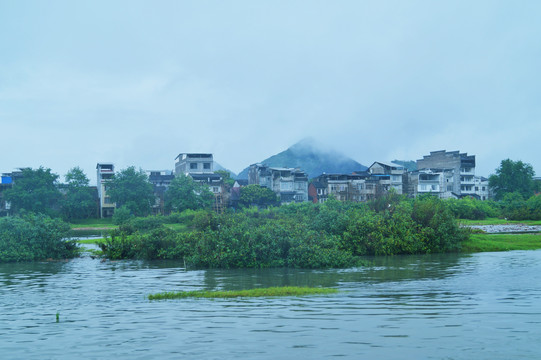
122 215
34 237
131 188
514 207
226 178
512 176
473 209
259 292
332 234
186 194
35 191
255 195
79 201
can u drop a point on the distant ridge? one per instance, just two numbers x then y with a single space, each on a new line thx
312 157
409 165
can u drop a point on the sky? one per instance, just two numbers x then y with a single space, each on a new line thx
136 83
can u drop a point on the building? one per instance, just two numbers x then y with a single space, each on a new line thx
200 167
438 182
457 172
160 180
194 163
289 184
105 173
357 187
396 175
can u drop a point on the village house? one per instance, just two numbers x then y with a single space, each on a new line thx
105 173
289 184
200 167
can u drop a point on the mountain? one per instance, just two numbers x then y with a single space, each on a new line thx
218 167
409 165
312 157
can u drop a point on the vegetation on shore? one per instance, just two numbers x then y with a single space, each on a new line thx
333 234
35 237
501 242
258 292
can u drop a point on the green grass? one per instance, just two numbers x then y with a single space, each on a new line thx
497 221
93 223
260 292
501 242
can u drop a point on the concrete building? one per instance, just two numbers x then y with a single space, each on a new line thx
457 170
194 163
160 180
200 167
395 172
289 184
357 187
105 173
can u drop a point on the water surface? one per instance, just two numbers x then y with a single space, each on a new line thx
481 306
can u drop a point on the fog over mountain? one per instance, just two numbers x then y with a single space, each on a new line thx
313 157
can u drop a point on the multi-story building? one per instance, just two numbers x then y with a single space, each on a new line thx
160 180
6 182
357 187
396 174
105 173
200 167
439 182
194 163
289 184
456 169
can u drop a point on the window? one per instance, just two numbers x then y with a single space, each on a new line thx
193 166
206 166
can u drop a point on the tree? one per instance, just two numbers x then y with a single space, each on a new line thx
131 188
35 191
184 193
226 178
512 176
257 195
79 201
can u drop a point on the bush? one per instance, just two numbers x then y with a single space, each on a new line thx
34 237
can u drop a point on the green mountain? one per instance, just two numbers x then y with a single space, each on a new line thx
313 158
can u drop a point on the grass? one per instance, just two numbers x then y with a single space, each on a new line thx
497 221
93 223
259 292
501 242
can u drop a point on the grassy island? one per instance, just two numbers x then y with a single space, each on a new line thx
259 292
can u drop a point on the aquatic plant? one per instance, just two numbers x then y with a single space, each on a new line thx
259 292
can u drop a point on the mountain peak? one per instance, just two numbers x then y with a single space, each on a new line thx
313 157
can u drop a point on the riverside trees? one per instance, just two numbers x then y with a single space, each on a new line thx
513 176
131 189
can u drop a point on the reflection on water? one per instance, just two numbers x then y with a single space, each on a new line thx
483 306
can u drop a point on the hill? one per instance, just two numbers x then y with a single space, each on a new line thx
311 157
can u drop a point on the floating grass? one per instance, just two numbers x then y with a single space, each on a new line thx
259 292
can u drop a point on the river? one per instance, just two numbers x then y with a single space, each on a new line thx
480 306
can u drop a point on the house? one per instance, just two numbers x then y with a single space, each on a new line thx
105 173
289 184
160 180
438 182
395 173
457 170
317 192
194 163
357 187
200 167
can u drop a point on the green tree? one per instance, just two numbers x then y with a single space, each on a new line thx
79 201
131 188
257 195
184 193
512 176
35 191
226 178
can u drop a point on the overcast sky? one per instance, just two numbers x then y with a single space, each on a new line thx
138 82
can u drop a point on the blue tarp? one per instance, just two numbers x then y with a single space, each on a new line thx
7 180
